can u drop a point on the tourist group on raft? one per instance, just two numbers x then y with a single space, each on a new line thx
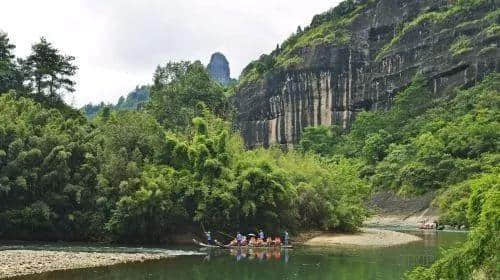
252 240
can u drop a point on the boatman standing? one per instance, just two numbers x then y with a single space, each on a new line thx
286 238
209 238
261 234
239 238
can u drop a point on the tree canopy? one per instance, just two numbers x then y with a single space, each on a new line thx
10 74
48 72
178 89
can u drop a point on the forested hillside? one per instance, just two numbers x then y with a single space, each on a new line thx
135 100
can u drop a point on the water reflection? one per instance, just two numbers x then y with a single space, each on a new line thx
260 254
250 254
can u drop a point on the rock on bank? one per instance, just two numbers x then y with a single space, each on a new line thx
26 262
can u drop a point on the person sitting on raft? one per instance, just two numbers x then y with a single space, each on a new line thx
260 242
260 239
253 241
239 238
269 241
277 241
233 242
244 241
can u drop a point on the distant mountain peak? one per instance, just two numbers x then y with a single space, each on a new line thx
218 68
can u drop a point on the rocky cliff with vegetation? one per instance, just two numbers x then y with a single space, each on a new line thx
358 56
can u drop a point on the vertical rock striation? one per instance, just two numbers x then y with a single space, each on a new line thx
218 68
389 42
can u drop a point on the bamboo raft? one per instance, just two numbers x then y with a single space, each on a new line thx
222 246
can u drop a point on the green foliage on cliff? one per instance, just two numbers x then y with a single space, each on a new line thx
492 30
447 16
256 69
326 33
328 28
461 45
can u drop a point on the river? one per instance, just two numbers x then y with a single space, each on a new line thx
298 263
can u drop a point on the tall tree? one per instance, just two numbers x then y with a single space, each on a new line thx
10 76
49 72
177 90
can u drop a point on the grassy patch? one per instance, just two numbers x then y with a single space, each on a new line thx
471 23
493 16
462 44
333 32
289 62
327 33
488 49
492 30
250 77
329 27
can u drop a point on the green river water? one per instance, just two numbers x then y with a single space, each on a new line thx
298 263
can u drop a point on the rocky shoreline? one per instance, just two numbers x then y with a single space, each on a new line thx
25 262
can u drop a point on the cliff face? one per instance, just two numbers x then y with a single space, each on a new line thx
218 68
370 52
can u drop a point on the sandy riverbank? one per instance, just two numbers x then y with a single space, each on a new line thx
25 262
366 237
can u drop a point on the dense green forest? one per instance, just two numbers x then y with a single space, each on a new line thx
177 165
142 176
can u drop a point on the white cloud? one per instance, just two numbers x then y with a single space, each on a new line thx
119 43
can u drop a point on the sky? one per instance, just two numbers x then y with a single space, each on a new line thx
119 43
